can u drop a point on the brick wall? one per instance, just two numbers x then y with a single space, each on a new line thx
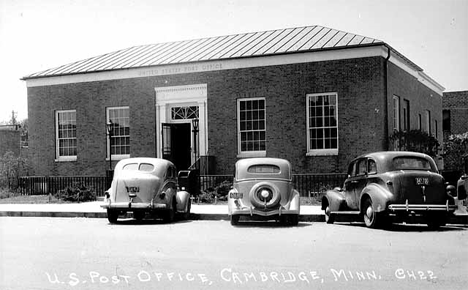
359 84
457 104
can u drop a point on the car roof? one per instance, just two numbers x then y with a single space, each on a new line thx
391 154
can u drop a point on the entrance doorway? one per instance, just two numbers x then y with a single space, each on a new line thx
176 144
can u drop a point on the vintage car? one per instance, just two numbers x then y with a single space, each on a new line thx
146 186
263 189
391 186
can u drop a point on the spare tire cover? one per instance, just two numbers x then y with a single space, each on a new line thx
264 195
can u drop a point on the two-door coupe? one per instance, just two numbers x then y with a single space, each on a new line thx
396 185
146 185
263 189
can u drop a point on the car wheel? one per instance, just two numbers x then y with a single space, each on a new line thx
235 219
370 216
435 221
187 210
112 216
329 217
139 215
171 213
293 220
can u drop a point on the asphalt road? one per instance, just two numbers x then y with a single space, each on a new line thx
79 253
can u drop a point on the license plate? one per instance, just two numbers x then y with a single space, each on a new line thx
133 189
422 181
236 195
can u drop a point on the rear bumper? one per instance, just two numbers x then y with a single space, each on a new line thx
128 206
265 213
422 207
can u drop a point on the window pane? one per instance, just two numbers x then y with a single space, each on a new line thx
252 125
120 140
323 121
66 133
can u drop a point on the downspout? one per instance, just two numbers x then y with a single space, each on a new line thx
385 141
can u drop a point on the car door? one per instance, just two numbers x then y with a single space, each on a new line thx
356 183
350 184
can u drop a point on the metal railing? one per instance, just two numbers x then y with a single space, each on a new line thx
37 185
308 185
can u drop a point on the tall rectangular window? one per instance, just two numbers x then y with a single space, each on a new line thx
406 115
428 122
65 126
251 124
396 113
322 124
119 138
419 122
446 121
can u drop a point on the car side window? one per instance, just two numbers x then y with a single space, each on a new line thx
352 169
362 167
372 167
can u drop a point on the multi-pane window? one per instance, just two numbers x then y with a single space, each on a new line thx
406 119
251 125
322 123
119 120
396 113
65 124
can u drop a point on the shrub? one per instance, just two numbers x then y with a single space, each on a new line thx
76 193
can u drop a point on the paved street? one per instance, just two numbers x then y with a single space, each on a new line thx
79 253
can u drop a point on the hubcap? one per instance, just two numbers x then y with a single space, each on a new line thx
369 212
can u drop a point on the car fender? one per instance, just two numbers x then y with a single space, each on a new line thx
379 195
295 202
182 198
335 199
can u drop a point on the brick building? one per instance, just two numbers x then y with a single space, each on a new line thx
313 95
455 112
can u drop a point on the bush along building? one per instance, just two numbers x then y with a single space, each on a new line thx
313 95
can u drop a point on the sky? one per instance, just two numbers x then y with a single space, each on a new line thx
38 35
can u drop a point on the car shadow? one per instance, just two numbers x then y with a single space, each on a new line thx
402 227
134 222
269 224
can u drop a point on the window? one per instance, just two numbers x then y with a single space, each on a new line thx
446 120
251 118
182 113
396 113
436 128
263 168
406 119
65 126
428 122
119 118
322 124
419 122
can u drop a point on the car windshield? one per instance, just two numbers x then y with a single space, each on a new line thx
415 163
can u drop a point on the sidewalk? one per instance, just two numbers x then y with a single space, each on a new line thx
198 211
93 210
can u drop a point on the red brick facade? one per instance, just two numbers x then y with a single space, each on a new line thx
365 114
456 103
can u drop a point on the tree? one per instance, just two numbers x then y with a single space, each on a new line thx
11 168
456 150
415 140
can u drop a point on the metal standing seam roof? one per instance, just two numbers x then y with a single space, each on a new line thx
254 44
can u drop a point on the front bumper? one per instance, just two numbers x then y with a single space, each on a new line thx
422 207
129 206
